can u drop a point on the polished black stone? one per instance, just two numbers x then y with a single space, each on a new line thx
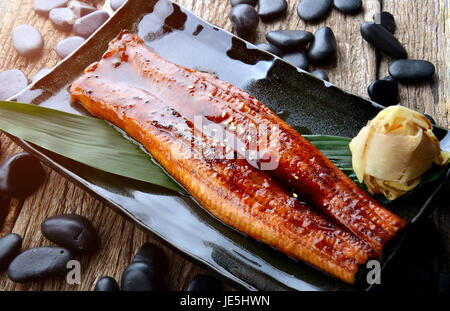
66 46
45 6
324 48
10 246
430 118
204 283
271 9
62 18
269 48
21 175
88 24
411 70
348 6
12 82
140 276
245 19
386 20
106 284
115 4
80 8
39 263
313 10
298 59
320 74
74 232
384 92
27 40
381 39
288 40
250 2
152 255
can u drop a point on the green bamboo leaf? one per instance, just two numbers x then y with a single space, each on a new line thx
88 140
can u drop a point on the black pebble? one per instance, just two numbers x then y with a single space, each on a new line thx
88 24
297 59
324 48
384 92
386 20
313 10
62 18
74 232
152 255
348 6
271 9
288 40
245 19
106 284
66 46
12 82
250 2
39 263
204 283
380 38
269 48
115 4
45 6
320 74
80 8
10 246
21 175
410 70
140 276
27 40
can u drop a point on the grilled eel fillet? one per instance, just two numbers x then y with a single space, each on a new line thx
248 199
301 167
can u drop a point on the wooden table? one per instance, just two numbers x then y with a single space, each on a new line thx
420 27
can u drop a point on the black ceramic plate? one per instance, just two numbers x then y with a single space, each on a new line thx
305 102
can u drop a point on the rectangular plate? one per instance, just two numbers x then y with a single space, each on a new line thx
305 102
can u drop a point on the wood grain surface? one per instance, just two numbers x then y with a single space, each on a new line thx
420 27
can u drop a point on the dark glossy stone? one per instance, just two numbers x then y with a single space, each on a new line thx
74 232
39 263
80 8
386 20
45 6
12 82
140 276
271 9
313 10
62 18
106 284
411 70
40 74
320 74
204 283
384 92
269 48
115 4
298 59
250 2
66 46
384 41
324 48
88 24
27 40
288 40
10 246
21 175
245 20
348 6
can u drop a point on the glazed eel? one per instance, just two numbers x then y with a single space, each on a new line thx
300 166
246 198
